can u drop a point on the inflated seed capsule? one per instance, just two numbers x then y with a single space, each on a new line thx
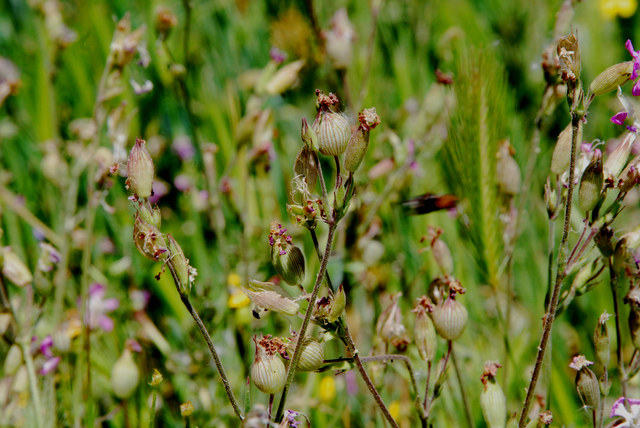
586 382
268 372
13 268
140 170
286 258
332 129
611 78
312 356
562 152
149 240
450 318
425 334
179 265
359 141
124 375
591 184
494 405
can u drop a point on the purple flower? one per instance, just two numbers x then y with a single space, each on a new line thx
631 417
277 55
98 307
636 68
182 182
183 147
290 418
160 189
619 117
46 345
50 365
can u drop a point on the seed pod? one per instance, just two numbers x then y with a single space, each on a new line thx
562 152
124 375
312 356
611 78
13 360
267 372
586 382
591 185
332 128
450 318
508 171
359 141
150 215
14 269
425 334
601 341
337 306
494 405
603 240
140 170
618 158
440 250
286 258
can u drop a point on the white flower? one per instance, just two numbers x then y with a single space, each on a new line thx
631 417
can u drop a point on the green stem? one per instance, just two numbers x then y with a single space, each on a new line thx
153 407
613 276
465 399
305 324
33 380
560 274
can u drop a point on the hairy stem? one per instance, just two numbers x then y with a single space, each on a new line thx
560 274
291 370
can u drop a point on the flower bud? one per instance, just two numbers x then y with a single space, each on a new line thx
440 250
14 269
492 399
286 258
140 170
611 78
124 375
389 326
630 176
312 356
569 55
337 305
359 141
550 199
601 341
620 255
339 40
284 78
562 152
267 372
586 382
150 215
618 158
332 128
186 409
450 318
165 21
156 378
308 135
184 274
591 184
425 334
149 240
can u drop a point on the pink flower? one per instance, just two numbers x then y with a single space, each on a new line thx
619 117
635 91
99 307
50 365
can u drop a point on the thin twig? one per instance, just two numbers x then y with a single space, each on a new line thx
560 274
613 276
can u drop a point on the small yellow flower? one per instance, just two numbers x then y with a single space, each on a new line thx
623 8
394 409
234 280
327 389
238 299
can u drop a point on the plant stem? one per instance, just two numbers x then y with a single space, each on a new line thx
212 350
348 341
305 324
351 347
33 380
613 276
153 407
465 400
560 274
314 238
